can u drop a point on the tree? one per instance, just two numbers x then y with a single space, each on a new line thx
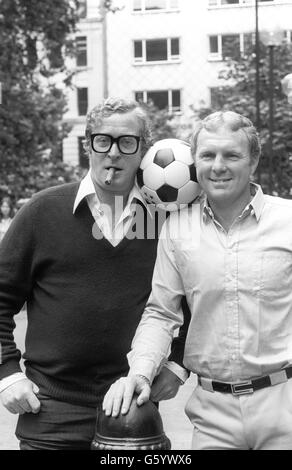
109 6
161 122
237 93
35 36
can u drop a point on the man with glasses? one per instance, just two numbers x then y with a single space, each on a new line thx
85 282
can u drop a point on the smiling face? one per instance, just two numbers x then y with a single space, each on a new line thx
125 166
224 167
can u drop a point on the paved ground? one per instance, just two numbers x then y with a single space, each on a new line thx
176 425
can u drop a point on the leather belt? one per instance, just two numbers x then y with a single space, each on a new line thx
247 386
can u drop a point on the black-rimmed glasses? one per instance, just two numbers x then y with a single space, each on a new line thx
127 144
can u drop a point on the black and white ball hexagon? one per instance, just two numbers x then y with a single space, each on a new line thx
167 175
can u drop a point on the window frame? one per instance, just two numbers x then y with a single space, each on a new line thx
82 50
218 56
80 102
287 36
144 10
171 58
170 91
241 3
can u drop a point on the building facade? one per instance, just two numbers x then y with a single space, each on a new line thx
169 51
87 83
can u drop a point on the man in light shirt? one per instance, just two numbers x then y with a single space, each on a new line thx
70 254
231 255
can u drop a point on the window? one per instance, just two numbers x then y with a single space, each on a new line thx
248 43
229 2
82 101
81 46
138 50
159 98
82 8
83 159
174 47
218 3
214 44
162 99
229 46
155 5
288 36
156 50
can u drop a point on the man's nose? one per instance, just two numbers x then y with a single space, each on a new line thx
219 163
114 151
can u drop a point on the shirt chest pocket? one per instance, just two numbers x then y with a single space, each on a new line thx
198 269
275 276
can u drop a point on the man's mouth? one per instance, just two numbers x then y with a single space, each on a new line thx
220 180
115 167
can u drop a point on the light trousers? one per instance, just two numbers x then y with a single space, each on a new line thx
261 420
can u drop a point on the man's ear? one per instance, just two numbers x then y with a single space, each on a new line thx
254 164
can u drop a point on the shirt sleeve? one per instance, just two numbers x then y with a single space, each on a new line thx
162 315
11 379
179 371
16 254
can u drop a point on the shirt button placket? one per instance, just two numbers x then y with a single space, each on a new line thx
232 308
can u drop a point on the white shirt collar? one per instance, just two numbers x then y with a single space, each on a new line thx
258 200
254 207
86 188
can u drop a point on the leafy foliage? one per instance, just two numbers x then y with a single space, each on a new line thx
109 6
161 122
34 37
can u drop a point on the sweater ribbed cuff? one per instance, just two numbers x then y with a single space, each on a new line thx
9 368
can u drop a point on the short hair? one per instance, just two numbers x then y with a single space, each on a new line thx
232 121
111 106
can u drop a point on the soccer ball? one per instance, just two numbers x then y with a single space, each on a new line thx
167 175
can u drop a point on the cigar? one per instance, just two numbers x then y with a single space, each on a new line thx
110 175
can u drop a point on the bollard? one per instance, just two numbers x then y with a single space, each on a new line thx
140 429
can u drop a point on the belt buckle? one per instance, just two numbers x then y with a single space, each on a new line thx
242 388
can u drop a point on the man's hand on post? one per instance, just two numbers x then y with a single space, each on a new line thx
120 394
20 398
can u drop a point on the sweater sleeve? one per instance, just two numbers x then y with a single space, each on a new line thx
16 252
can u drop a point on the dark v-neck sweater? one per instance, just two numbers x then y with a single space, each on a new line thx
84 297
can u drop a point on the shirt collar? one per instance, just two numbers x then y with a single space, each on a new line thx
254 207
258 201
86 188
